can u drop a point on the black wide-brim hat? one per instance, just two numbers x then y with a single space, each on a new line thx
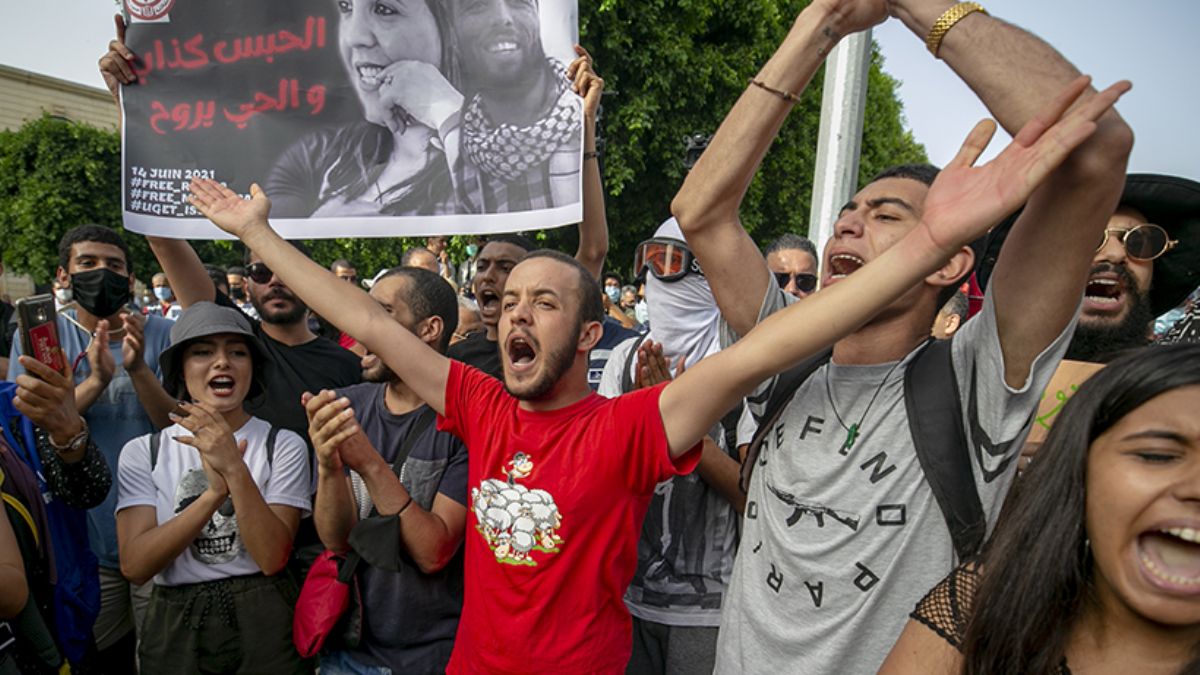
1170 202
202 320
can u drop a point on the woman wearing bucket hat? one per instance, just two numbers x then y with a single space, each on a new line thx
208 507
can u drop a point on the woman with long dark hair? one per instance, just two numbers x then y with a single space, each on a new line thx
401 60
1094 565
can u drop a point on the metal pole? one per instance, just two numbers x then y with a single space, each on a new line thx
835 178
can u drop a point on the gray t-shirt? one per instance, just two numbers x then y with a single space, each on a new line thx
838 545
689 537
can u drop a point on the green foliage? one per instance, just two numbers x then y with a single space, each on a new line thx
675 69
672 69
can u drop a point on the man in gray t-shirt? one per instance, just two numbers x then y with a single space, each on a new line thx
842 535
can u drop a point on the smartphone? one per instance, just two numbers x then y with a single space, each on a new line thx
38 326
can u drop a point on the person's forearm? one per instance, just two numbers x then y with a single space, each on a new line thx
593 231
622 318
189 280
15 591
154 399
1012 71
81 482
424 534
87 392
722 473
716 185
268 539
150 552
334 513
353 311
690 405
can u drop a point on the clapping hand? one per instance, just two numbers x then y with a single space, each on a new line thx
336 434
220 453
653 367
966 200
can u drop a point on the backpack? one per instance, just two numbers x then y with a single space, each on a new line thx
156 441
76 602
934 408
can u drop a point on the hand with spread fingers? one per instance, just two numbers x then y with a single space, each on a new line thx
212 437
653 367
227 210
586 83
116 66
47 397
965 200
134 344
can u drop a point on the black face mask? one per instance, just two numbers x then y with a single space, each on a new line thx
101 292
237 293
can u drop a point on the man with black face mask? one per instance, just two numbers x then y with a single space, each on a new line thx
114 353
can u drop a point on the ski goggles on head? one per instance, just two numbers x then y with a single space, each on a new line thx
805 283
667 259
1144 242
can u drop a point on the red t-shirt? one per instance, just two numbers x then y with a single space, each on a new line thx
556 509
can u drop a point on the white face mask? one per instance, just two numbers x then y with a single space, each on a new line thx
63 295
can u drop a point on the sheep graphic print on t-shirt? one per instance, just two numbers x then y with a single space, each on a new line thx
513 519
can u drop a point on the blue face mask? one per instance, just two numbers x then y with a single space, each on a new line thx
163 293
613 293
472 249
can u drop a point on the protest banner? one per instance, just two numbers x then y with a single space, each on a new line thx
1062 387
357 117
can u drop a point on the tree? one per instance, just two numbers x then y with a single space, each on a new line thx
674 69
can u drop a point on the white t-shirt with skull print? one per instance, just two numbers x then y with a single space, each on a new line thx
177 478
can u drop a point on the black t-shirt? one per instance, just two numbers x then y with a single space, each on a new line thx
480 352
409 617
8 328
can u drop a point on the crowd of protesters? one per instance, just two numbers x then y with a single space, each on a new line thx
750 457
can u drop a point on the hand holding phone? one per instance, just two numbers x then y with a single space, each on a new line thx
38 326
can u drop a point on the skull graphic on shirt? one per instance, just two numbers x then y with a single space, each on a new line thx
219 540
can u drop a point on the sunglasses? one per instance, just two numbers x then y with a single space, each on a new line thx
1144 242
805 283
667 259
259 273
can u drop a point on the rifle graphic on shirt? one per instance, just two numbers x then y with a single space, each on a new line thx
818 511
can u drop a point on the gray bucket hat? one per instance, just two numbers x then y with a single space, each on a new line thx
202 320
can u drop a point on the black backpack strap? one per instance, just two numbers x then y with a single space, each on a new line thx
778 397
155 441
626 378
271 436
934 407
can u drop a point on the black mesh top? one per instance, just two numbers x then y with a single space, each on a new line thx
946 610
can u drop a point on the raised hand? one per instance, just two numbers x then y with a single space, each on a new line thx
47 397
965 200
226 209
99 357
586 83
419 89
116 66
653 366
134 344
212 437
335 433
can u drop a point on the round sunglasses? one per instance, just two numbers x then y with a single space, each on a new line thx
1143 242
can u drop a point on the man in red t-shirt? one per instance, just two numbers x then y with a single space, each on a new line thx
559 477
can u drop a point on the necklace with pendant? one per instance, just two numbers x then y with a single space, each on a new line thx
853 430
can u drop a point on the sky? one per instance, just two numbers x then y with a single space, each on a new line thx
1150 42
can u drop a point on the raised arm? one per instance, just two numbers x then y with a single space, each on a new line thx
1015 73
346 307
593 231
707 204
961 204
189 280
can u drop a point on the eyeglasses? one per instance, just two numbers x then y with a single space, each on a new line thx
1144 242
259 273
805 283
667 259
